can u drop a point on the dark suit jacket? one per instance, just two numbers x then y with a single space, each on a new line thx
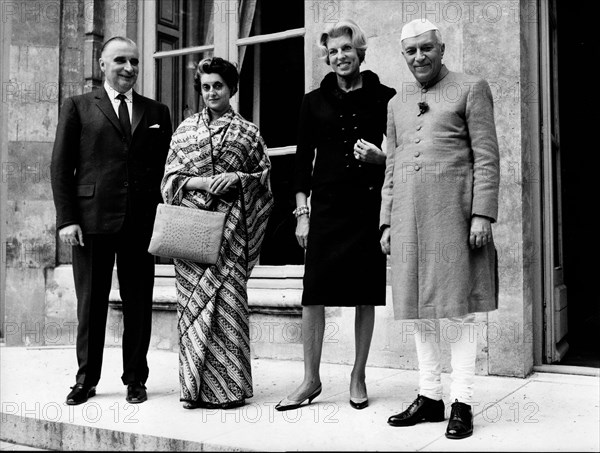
96 171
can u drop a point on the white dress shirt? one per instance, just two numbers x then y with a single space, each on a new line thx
112 95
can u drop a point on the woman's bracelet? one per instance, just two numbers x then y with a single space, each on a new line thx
300 211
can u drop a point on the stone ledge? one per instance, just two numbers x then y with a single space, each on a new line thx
266 301
61 436
271 290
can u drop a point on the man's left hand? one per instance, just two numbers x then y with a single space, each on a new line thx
481 232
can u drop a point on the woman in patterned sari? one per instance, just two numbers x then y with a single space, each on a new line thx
218 161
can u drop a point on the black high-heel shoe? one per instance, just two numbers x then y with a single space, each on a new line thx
296 404
359 403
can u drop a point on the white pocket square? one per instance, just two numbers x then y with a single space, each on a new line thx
154 126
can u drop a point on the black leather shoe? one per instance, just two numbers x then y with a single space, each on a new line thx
461 421
422 409
80 393
136 393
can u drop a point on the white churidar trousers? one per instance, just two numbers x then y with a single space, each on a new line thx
461 334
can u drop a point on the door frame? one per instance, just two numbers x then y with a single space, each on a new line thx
554 292
5 34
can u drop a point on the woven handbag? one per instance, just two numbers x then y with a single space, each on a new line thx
187 233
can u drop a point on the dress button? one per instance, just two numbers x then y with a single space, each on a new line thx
417 167
417 140
423 90
417 154
355 127
125 184
359 165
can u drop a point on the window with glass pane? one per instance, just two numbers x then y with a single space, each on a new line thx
181 24
271 90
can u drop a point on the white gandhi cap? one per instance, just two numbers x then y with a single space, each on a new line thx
416 28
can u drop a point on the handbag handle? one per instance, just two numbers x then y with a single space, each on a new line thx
177 193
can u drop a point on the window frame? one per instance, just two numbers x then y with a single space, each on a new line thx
226 43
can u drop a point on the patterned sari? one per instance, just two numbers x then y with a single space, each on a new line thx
214 346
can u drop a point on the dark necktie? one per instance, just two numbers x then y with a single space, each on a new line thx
124 117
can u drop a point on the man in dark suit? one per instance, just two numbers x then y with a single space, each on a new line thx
107 164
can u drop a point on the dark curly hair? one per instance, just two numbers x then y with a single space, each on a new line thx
217 65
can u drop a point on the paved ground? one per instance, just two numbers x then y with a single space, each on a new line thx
545 412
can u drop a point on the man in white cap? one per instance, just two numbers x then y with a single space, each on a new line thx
439 199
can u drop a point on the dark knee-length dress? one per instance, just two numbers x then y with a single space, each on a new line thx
344 263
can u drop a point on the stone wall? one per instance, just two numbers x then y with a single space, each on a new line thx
31 94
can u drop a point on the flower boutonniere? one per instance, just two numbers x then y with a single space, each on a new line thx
423 107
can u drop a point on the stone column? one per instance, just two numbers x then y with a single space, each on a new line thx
94 36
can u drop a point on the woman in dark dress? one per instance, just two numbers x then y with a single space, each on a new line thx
344 121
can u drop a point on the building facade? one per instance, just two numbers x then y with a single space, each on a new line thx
50 50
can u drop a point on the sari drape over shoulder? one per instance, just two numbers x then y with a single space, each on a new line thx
214 348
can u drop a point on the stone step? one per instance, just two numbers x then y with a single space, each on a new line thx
273 298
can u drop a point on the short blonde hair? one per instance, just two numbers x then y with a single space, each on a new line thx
341 28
